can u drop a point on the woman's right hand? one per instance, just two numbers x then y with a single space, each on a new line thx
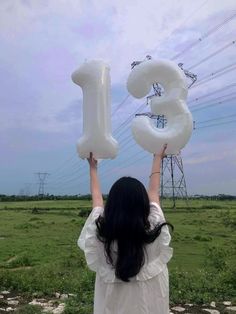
162 154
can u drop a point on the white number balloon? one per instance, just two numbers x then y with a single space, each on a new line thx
172 104
94 79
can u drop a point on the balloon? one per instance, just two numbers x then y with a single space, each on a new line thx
94 79
172 104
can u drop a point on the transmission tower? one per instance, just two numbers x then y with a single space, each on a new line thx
173 184
42 178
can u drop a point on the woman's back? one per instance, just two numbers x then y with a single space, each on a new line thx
127 245
148 291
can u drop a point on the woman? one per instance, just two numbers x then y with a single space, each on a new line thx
127 245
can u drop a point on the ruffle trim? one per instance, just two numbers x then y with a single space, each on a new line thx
91 246
90 222
107 273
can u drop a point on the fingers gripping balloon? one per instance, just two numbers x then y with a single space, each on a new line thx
172 104
94 79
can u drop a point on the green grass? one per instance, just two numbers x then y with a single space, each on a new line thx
38 251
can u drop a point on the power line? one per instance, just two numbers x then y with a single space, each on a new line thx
218 71
134 161
213 100
117 130
73 178
215 104
211 93
120 129
204 36
212 55
216 124
129 118
128 139
57 177
119 106
124 124
220 118
63 164
214 77
190 16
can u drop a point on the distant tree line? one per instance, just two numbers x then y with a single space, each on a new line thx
12 198
215 197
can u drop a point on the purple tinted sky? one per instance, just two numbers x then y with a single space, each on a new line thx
43 42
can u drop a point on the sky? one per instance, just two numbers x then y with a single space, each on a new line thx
43 42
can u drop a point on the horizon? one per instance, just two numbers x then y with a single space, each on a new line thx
89 194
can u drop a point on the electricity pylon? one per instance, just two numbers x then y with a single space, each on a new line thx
42 177
173 184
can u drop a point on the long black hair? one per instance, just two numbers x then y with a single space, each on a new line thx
125 221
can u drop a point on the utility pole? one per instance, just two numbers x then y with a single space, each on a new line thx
42 178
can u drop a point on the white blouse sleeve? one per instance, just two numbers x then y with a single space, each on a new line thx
88 241
157 216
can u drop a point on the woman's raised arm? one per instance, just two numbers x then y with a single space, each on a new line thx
154 182
96 193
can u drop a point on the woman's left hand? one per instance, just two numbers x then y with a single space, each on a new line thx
162 154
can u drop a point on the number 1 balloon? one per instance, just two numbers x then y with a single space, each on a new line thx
94 79
172 104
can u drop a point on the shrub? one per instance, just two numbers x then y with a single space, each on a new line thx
216 258
20 261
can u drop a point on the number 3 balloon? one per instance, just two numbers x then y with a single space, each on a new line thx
172 104
94 79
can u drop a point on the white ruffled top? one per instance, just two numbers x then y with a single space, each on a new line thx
157 256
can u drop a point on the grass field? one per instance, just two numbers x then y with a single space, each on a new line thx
38 252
